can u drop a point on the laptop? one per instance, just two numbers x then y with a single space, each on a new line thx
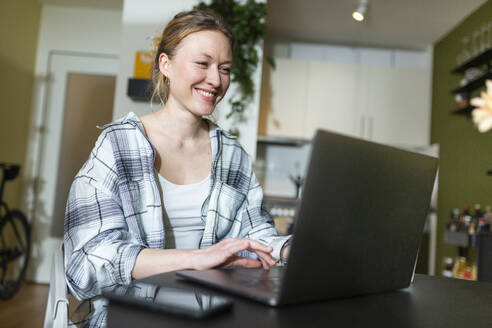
357 230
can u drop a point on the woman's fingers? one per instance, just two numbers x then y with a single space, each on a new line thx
243 244
252 244
261 250
266 257
264 264
238 245
224 254
244 262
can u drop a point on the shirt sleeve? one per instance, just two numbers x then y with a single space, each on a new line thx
262 226
100 252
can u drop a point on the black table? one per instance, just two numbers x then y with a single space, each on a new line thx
428 302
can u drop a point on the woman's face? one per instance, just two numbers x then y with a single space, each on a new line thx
199 71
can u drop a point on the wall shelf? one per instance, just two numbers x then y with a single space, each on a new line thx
139 89
482 242
483 58
460 238
474 84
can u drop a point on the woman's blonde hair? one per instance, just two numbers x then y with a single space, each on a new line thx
182 25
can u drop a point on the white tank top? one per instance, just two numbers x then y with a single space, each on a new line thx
182 212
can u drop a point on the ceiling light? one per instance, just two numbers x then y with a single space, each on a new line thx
359 13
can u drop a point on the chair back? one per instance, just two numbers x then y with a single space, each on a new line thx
56 315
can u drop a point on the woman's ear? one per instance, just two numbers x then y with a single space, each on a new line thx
164 64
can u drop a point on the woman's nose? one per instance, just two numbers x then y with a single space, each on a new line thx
213 76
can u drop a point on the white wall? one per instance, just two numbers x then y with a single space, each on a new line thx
77 29
143 19
61 29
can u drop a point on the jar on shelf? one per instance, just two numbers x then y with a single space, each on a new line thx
459 267
447 269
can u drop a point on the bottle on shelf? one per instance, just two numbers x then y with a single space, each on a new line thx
477 215
447 270
471 228
453 220
459 267
465 219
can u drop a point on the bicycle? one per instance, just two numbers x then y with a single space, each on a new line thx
15 240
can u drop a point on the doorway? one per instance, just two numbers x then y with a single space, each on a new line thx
79 95
88 103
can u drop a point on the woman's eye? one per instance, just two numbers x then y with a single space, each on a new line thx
204 64
226 70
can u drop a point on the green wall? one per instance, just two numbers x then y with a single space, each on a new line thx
465 154
19 25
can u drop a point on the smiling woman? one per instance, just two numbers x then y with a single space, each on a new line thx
183 25
170 190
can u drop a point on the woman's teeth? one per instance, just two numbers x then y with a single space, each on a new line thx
205 93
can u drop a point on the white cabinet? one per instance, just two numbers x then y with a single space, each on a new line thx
331 101
395 97
396 105
301 96
283 99
375 97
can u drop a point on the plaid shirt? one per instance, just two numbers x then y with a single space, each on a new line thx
114 207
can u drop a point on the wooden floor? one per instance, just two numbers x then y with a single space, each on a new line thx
26 308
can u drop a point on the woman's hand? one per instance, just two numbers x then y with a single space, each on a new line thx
223 254
153 261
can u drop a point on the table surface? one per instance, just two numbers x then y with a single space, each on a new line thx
428 302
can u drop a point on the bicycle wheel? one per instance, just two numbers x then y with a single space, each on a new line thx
15 249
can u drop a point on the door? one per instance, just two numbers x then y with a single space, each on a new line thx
88 103
79 96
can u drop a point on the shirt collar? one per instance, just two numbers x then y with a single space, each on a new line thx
214 131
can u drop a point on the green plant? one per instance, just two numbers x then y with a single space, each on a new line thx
247 20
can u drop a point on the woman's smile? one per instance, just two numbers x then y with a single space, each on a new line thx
206 94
